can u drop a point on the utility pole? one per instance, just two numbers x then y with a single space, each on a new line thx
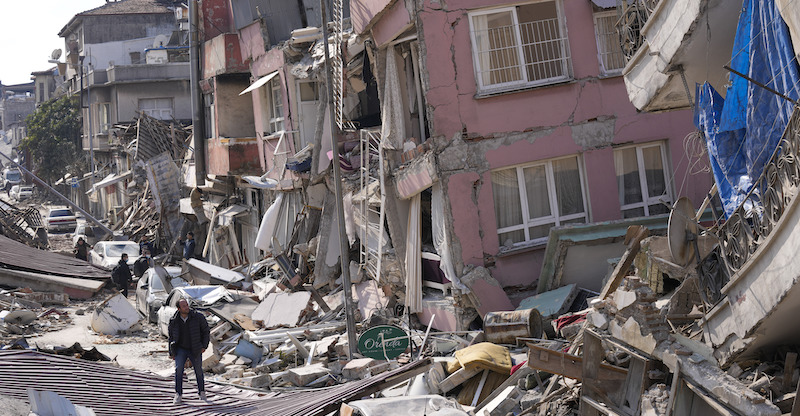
344 245
198 128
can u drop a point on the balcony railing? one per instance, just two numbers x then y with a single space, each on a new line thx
750 225
632 18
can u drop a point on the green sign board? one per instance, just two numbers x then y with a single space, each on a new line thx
384 342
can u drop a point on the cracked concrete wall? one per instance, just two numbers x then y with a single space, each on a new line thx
587 116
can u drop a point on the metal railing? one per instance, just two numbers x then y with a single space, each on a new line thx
773 192
371 187
632 17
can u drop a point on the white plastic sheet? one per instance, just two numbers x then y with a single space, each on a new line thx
267 228
440 240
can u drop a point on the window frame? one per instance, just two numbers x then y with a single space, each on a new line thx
647 200
270 119
158 109
601 49
524 82
555 219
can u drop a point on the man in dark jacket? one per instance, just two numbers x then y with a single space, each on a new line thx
121 275
188 339
189 245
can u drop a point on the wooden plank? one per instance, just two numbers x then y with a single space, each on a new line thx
457 378
788 370
568 365
593 353
796 405
511 381
633 238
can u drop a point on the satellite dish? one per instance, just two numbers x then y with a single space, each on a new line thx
681 230
20 317
261 182
160 41
55 54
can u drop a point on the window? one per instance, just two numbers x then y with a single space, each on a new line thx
160 108
530 199
609 51
516 47
103 117
41 91
642 180
272 97
136 57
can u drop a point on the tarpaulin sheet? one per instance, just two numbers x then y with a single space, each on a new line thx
743 130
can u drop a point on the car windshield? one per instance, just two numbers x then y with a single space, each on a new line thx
116 249
61 213
13 175
156 284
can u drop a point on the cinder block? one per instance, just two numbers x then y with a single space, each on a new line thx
301 376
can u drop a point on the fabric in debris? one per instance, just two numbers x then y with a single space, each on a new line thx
414 257
485 356
393 129
743 130
267 228
567 320
467 394
440 238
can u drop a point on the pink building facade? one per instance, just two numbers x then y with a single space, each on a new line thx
530 123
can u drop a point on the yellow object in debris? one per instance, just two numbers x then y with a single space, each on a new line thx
485 355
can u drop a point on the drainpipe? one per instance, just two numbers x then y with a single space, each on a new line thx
198 128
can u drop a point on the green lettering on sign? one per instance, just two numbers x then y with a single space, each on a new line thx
384 342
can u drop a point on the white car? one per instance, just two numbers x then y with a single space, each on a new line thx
154 286
106 254
89 232
197 295
60 218
20 192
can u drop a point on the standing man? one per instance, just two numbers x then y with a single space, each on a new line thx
188 246
121 275
188 339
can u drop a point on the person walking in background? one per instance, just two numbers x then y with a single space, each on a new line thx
81 250
188 339
189 246
121 275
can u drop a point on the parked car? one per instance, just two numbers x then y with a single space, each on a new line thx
197 295
153 288
20 192
106 254
11 177
60 218
90 233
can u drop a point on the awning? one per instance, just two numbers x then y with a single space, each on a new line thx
109 180
261 81
226 215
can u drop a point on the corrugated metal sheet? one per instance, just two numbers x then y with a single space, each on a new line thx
18 256
110 390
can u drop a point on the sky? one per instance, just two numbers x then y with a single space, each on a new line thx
29 34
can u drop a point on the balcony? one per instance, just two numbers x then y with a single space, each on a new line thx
756 297
222 55
173 71
672 44
233 156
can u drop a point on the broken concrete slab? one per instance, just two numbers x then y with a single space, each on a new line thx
358 368
204 273
369 297
114 315
282 309
552 303
302 376
485 292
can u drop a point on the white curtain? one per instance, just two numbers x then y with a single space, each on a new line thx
393 129
440 240
414 257
480 24
268 223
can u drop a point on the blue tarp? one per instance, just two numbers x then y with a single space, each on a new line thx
743 130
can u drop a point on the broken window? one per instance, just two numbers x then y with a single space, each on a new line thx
609 51
158 108
103 117
272 99
642 180
519 46
530 199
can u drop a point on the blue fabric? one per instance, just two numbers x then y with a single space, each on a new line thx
743 130
181 355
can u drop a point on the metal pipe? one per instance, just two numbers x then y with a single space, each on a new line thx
198 128
337 182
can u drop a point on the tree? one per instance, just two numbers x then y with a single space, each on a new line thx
53 141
